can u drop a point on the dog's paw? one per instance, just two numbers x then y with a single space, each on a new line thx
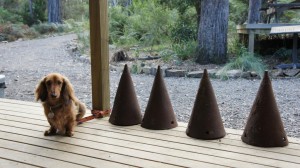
48 133
69 134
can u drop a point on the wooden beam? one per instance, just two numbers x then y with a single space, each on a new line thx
251 41
99 54
285 5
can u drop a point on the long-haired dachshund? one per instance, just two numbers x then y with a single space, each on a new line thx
62 109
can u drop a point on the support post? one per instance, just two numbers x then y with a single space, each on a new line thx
99 54
251 41
295 48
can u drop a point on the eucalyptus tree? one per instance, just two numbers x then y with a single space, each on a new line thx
212 31
54 11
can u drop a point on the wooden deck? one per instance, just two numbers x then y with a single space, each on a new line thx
97 143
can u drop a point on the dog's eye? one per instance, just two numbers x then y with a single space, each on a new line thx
59 82
48 83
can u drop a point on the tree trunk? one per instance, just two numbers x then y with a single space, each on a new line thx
254 13
212 33
54 11
30 9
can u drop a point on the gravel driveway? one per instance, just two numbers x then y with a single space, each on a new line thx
24 63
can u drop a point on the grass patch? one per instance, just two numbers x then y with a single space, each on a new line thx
244 61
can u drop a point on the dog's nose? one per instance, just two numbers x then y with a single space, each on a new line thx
53 95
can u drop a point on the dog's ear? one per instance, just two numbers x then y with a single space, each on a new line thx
67 91
41 91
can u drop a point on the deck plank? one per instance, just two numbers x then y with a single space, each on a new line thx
138 157
174 147
8 163
54 153
98 142
33 159
231 133
142 132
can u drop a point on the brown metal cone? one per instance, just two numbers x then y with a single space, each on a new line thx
205 122
264 127
159 112
126 110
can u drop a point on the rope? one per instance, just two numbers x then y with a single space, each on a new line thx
95 114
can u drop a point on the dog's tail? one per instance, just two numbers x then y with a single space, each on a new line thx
81 110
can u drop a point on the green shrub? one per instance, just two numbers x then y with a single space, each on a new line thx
75 9
7 16
5 30
185 50
244 61
83 35
136 67
143 23
84 42
235 47
283 54
185 28
12 32
167 55
38 12
49 28
179 51
44 28
238 11
31 33
117 22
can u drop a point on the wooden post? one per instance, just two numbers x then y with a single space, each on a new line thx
251 41
295 48
99 54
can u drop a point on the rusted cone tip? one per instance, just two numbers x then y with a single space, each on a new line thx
159 112
264 127
126 110
205 122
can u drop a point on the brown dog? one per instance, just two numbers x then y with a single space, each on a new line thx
61 107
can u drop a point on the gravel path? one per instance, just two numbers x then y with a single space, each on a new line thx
25 62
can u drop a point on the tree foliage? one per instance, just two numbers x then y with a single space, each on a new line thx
38 14
77 10
146 23
9 11
18 11
238 11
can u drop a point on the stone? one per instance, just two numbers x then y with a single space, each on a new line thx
154 69
246 74
253 74
277 73
113 67
195 74
175 73
291 72
235 73
146 70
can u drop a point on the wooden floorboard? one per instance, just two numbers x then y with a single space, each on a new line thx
97 143
9 163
